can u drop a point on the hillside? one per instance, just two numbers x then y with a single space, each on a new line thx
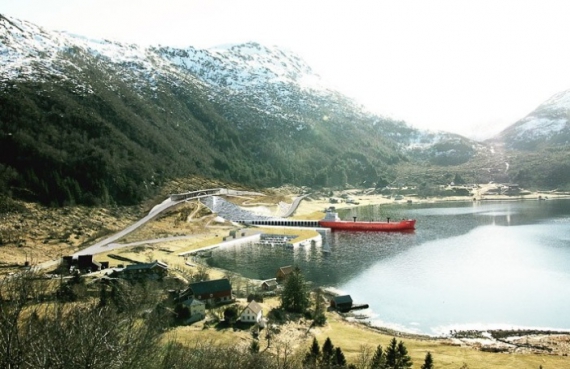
539 145
100 122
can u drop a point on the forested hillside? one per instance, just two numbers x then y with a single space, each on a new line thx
60 146
100 122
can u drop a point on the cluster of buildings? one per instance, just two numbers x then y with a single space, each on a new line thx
198 295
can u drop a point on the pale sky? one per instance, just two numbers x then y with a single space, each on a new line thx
469 67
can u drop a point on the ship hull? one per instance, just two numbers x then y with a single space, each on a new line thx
403 225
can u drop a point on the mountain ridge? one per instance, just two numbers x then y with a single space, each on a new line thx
132 117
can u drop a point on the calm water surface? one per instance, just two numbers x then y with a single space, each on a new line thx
467 265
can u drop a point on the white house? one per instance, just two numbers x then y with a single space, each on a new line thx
252 313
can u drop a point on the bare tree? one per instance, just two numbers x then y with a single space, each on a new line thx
364 357
17 293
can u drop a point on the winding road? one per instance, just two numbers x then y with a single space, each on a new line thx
106 244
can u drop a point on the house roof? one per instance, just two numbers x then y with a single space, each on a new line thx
344 299
192 302
270 282
286 269
147 265
206 287
254 307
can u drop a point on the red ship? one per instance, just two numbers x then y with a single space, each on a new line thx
333 222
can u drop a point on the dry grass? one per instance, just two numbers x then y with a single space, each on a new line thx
36 234
351 336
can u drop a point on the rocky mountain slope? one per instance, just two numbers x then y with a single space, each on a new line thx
547 125
537 147
92 121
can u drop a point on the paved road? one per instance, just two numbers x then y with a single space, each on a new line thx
294 206
103 246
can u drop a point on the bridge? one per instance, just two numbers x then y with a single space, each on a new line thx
196 194
190 195
282 222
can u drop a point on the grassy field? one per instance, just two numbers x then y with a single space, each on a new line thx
352 336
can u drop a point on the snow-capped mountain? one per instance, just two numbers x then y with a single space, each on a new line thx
130 116
246 66
546 125
31 52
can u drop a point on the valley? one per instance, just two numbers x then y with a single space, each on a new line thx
95 134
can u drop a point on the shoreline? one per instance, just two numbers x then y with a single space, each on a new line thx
311 206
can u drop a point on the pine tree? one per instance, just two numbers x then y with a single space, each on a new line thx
404 360
295 296
379 359
397 356
392 354
315 349
339 359
328 352
428 361
313 355
319 316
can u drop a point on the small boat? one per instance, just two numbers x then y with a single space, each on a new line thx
333 222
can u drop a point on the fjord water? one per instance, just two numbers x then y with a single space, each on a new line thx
471 265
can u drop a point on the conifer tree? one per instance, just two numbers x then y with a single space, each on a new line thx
319 316
403 359
379 359
295 296
339 359
328 352
312 357
428 361
397 356
103 296
392 353
315 349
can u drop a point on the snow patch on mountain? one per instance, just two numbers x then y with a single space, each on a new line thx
540 127
560 101
547 121
243 67
29 52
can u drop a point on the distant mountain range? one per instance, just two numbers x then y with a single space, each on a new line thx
97 121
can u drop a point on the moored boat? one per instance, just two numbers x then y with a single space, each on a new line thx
333 222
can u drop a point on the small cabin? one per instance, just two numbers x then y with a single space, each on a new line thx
269 285
342 303
283 273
